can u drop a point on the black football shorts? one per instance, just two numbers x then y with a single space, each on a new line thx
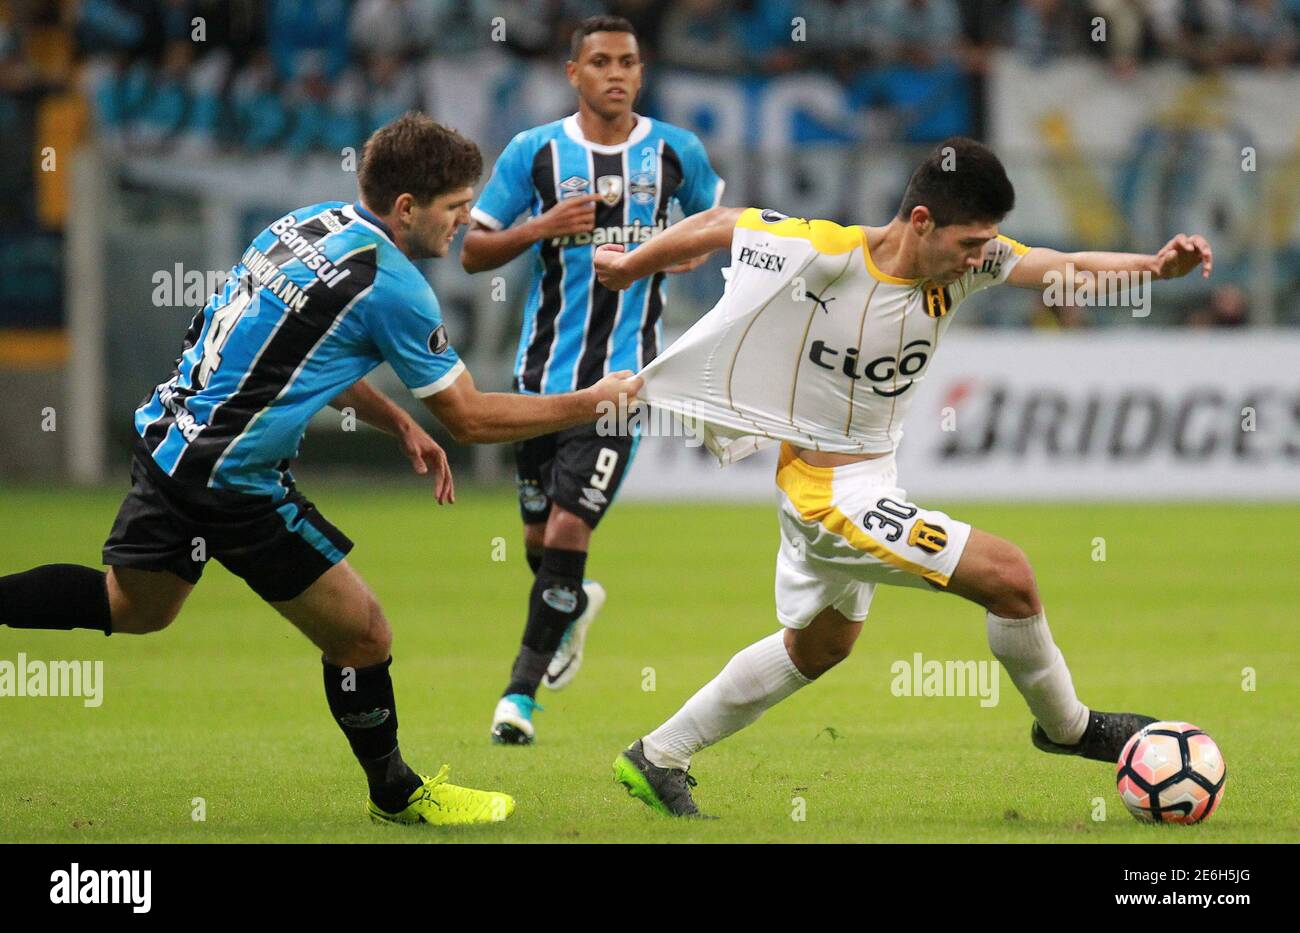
578 469
279 548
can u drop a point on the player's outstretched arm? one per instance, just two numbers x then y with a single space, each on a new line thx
475 417
1040 267
687 240
485 248
378 410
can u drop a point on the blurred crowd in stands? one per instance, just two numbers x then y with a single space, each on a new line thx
296 76
303 74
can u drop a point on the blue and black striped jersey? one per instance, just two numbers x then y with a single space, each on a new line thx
575 330
318 299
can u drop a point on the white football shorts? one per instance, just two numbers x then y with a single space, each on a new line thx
844 529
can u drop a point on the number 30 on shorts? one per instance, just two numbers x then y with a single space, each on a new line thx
888 516
881 517
606 461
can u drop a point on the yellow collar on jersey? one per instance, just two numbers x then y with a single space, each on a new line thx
875 270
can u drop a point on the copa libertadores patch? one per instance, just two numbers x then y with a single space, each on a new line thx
438 340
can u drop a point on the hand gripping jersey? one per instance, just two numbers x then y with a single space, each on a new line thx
318 300
575 330
810 342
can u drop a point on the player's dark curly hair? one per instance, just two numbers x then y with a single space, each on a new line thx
592 24
961 181
415 155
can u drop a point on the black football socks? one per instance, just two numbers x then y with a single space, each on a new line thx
361 700
557 598
56 596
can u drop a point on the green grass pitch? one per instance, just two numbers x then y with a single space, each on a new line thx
227 705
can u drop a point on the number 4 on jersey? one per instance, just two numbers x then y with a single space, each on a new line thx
223 323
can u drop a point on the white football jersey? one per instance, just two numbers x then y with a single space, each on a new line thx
810 343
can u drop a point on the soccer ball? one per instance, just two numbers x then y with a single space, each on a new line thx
1171 772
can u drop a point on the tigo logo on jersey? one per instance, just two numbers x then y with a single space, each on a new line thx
881 369
610 188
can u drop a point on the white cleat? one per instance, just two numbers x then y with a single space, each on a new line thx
512 720
568 657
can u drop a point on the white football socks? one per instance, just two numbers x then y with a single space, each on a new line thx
757 678
762 675
1025 648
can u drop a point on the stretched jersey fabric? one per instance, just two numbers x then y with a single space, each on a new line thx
811 343
318 299
575 330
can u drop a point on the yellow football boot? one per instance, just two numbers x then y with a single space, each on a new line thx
442 804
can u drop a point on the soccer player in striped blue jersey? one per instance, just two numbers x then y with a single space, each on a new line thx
603 175
317 300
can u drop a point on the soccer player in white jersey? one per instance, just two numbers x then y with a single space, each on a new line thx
818 342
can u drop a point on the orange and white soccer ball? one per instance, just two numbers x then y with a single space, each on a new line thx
1171 772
